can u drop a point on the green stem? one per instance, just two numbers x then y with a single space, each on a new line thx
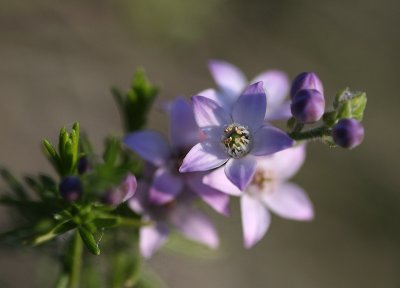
75 261
126 266
310 134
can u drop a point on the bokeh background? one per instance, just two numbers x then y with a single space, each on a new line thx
58 60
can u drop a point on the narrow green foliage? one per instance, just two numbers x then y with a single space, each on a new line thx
113 149
65 161
57 229
14 185
89 240
135 104
85 146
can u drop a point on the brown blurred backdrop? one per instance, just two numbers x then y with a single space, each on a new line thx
58 60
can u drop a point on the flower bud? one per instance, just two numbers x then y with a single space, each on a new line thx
348 133
306 80
70 188
308 106
121 193
83 165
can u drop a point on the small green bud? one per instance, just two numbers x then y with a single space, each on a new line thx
349 104
135 104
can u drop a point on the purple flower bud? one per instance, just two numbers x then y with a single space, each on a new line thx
116 195
70 188
348 133
111 197
83 165
306 80
308 106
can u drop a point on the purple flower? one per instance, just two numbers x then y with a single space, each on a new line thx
348 133
308 106
234 139
167 182
121 193
306 80
268 191
191 222
70 188
231 83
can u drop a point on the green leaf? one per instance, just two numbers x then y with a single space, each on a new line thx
89 240
68 160
85 146
75 142
112 150
349 104
14 184
52 155
58 229
62 141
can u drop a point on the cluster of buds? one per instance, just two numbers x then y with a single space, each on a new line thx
341 126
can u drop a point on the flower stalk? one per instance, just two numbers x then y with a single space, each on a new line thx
74 261
311 134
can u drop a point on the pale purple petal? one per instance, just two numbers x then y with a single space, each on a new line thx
217 200
282 112
284 164
290 201
204 156
268 140
150 145
183 129
249 110
241 171
139 202
276 85
213 95
208 113
228 77
129 187
151 238
195 225
255 220
165 187
218 180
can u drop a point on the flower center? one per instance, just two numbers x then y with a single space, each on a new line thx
236 140
263 181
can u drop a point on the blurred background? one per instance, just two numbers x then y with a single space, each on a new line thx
58 60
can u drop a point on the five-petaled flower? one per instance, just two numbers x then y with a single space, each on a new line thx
234 139
167 182
180 213
268 190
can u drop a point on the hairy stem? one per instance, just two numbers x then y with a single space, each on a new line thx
310 134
